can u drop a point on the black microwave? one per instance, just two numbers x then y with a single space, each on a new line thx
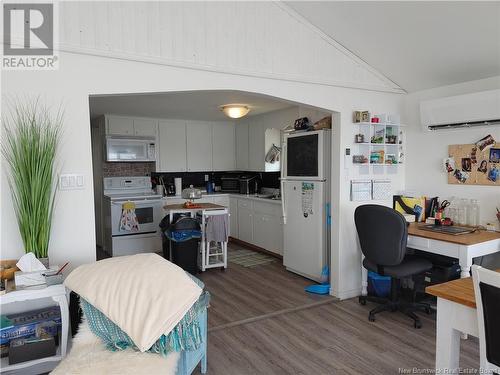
230 184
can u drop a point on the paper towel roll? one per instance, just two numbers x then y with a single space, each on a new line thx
178 186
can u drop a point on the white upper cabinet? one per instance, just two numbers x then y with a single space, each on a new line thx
199 146
145 127
121 125
172 146
118 125
242 145
223 146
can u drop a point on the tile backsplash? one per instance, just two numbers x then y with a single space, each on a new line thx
114 169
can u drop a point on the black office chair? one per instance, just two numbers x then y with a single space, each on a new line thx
383 233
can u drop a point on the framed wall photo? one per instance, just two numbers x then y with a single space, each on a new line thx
474 164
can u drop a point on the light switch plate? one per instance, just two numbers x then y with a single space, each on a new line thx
71 181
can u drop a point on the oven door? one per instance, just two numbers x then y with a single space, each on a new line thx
148 212
303 156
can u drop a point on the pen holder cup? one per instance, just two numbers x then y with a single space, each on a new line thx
53 279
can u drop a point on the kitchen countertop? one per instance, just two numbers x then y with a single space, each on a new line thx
234 195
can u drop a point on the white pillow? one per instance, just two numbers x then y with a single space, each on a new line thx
144 294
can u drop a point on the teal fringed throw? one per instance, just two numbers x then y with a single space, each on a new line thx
186 335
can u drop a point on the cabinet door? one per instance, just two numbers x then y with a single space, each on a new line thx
245 224
275 234
233 217
172 145
116 125
242 146
256 159
267 232
145 127
260 230
223 149
199 146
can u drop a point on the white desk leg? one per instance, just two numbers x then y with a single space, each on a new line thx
447 339
465 261
364 279
63 305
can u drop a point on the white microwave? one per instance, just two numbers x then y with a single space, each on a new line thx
130 149
306 156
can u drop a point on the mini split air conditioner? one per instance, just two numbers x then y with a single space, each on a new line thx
462 111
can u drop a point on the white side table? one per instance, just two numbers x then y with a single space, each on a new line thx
58 294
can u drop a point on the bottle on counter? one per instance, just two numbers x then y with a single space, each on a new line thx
474 213
462 210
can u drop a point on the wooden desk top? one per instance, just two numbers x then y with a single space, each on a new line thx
461 239
460 291
201 206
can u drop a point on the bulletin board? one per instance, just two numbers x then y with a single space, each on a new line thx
471 164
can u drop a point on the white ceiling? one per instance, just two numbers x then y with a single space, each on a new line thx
189 105
418 45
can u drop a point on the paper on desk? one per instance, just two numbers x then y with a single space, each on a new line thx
29 263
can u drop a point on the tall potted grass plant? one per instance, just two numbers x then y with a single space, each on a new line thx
29 147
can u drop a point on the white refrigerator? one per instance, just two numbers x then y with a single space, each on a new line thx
305 189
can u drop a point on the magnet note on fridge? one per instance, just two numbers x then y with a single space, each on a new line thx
361 190
381 190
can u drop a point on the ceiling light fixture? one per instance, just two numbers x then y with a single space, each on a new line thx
235 110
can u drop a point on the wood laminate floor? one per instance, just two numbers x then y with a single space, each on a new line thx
262 322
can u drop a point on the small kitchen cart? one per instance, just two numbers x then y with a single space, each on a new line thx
211 256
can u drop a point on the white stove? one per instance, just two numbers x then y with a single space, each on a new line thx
148 209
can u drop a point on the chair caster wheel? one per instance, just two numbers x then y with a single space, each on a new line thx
362 301
371 318
417 324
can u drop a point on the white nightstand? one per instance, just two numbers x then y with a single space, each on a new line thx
57 293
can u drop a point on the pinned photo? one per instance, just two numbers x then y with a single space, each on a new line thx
483 167
449 164
461 176
494 173
466 164
485 142
473 155
495 155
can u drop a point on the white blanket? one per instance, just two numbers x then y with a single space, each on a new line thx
144 294
89 356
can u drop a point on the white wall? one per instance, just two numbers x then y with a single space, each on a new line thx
426 150
79 75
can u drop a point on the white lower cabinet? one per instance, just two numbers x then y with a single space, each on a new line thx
268 232
258 223
233 217
245 221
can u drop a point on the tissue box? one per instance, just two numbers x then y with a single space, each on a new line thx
24 279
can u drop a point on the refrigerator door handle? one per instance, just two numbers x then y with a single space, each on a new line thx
283 200
283 159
